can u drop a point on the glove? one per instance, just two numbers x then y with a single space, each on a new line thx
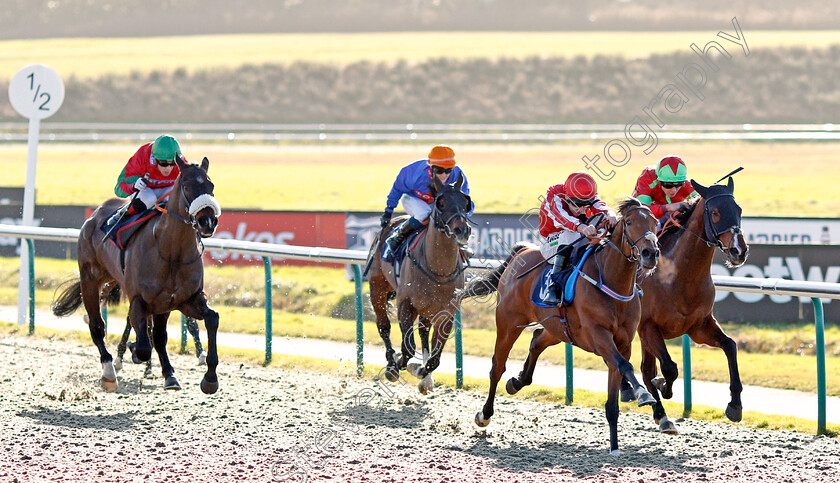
140 184
385 218
587 230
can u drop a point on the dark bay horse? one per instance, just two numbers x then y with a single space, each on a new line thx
595 322
428 278
163 272
679 298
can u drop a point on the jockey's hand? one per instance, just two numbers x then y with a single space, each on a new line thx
385 218
140 184
588 231
682 205
612 220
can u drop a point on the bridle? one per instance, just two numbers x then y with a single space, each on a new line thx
635 251
443 227
190 221
712 232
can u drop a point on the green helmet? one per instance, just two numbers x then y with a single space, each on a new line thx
165 148
671 169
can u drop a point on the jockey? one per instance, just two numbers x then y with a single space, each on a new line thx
413 188
149 174
664 188
563 213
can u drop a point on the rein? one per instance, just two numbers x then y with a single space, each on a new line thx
191 222
709 227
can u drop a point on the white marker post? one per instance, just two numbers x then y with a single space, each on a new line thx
36 92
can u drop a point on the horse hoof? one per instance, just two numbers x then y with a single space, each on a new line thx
392 374
208 387
616 452
645 398
414 369
480 421
426 385
109 385
667 426
202 358
627 395
661 384
513 386
733 413
171 384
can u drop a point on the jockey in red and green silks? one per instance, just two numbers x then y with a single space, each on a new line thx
150 173
664 187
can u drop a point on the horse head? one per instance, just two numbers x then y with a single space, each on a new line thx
637 228
722 219
196 196
451 206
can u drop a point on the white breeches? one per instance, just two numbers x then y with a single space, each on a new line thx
556 240
416 207
150 196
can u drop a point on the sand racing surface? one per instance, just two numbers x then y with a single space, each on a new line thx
269 423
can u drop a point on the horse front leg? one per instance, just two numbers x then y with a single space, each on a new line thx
541 340
611 408
431 358
710 333
604 345
648 376
197 308
160 339
654 343
90 298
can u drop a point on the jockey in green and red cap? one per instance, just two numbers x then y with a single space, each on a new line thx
150 173
664 187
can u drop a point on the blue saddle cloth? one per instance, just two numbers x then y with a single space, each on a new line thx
567 278
127 227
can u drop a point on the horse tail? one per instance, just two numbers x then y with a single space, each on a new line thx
488 283
69 300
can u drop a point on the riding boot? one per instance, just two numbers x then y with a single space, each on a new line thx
397 237
555 291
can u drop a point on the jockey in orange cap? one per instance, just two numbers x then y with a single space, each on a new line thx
664 187
563 216
413 188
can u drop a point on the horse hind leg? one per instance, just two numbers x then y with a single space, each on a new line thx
121 348
379 301
507 331
90 299
541 340
139 314
406 314
192 328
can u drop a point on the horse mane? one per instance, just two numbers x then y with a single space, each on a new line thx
627 203
672 233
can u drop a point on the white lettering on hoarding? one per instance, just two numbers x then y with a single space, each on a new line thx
789 268
242 233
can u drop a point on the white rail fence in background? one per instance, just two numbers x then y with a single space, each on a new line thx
773 286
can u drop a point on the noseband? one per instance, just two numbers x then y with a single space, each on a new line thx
443 225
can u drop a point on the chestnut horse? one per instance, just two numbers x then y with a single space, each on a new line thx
679 298
163 272
429 275
596 322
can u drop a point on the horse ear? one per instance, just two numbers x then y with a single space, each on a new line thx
699 188
437 184
459 181
205 163
179 160
731 185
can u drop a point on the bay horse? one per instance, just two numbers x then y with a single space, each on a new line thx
596 322
431 271
163 272
679 298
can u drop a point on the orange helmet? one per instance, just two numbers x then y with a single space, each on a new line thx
443 156
581 189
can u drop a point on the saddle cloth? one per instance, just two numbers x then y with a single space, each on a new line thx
128 226
567 278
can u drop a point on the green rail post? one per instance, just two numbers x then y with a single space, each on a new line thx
360 329
819 319
459 352
31 246
268 306
183 333
686 343
570 376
